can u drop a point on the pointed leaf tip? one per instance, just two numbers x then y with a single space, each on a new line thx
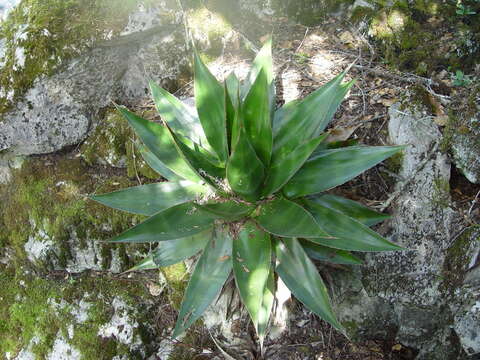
251 267
294 264
208 277
346 163
211 107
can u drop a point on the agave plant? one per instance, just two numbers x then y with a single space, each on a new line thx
246 188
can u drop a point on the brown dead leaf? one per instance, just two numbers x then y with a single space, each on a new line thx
436 106
397 347
306 83
264 38
341 133
441 120
387 102
154 289
347 38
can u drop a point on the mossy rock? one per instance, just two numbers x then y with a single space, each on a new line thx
209 29
48 221
98 318
313 12
114 143
458 259
416 35
39 35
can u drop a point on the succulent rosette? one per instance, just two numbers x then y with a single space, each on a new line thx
246 189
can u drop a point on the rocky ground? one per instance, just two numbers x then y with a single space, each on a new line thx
64 291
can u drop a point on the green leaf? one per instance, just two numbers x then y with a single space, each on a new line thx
286 164
233 89
351 208
306 119
157 165
331 168
174 223
231 105
301 276
178 116
324 253
211 272
198 162
245 171
252 256
266 307
282 217
173 251
210 102
151 198
158 140
230 210
263 61
350 234
256 118
145 264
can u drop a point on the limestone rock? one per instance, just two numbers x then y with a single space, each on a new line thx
464 270
66 322
409 294
465 145
58 111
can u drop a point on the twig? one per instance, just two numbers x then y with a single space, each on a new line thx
224 353
188 37
473 203
135 163
303 40
410 78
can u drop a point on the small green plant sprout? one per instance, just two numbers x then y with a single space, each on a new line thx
464 10
460 79
246 188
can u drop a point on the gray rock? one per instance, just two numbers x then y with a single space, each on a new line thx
465 146
59 111
422 222
45 253
465 270
408 295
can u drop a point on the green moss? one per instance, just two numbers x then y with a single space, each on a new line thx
32 307
441 192
459 122
361 13
136 165
409 35
102 293
46 198
107 144
310 12
49 32
177 280
25 313
211 27
395 162
458 258
351 327
114 143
